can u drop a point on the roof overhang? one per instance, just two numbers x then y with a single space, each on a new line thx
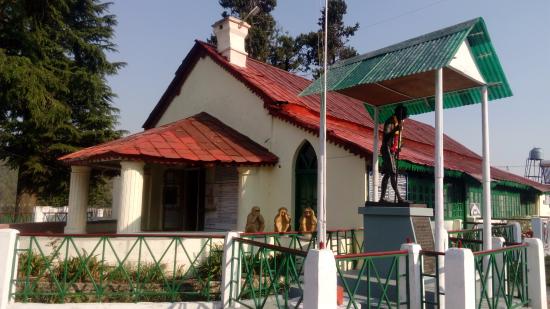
409 88
404 73
197 140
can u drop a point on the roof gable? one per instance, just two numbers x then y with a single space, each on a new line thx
415 60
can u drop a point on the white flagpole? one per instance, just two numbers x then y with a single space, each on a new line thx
375 153
321 169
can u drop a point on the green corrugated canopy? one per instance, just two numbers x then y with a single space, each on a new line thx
404 73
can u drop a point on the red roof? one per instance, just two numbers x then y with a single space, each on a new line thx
348 123
198 139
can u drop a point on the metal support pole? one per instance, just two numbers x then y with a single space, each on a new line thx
487 213
321 171
439 202
375 153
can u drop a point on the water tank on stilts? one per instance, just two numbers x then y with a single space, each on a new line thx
533 169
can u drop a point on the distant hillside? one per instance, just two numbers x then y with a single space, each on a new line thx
8 185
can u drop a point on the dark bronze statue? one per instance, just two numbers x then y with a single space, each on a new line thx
391 146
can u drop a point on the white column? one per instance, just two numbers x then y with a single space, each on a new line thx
116 197
414 276
249 195
460 289
536 279
78 200
230 271
131 197
8 241
320 280
439 168
146 203
487 212
497 243
375 153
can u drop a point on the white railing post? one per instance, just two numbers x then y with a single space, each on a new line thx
537 228
320 279
516 227
8 241
536 279
498 242
230 272
460 281
414 276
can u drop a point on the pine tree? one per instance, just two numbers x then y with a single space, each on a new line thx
310 44
54 98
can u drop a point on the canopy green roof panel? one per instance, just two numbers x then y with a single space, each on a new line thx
416 56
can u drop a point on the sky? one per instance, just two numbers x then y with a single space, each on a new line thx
154 37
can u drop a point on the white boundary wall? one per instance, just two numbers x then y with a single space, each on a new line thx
57 214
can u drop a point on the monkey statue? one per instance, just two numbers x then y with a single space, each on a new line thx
308 221
254 221
282 220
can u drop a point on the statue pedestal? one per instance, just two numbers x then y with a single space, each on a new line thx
388 225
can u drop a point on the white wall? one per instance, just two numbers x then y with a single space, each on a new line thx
209 88
543 206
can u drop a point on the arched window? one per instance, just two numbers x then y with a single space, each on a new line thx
305 185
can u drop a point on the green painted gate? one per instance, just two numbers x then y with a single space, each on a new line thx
305 190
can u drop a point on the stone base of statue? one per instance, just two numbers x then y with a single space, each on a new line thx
386 227
389 225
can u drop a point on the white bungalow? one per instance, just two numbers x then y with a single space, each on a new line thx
230 133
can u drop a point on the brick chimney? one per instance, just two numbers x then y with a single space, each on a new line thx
230 33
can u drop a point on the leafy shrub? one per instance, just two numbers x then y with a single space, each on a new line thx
211 267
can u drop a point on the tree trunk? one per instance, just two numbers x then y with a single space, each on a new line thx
25 199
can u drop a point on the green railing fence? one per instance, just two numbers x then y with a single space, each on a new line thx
501 276
117 268
430 289
472 244
380 279
473 239
270 275
341 241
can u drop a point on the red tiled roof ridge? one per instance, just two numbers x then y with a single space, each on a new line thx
359 126
224 63
255 60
